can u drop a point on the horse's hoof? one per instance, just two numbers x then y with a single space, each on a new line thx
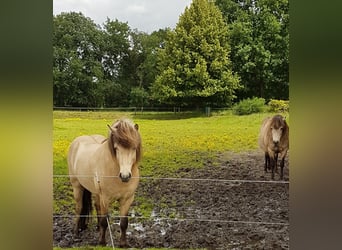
123 245
76 232
102 243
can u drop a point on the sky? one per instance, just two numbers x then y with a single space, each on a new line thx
143 15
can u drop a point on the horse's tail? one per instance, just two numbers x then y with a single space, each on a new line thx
86 209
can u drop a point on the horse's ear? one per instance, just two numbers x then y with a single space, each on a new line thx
110 128
136 126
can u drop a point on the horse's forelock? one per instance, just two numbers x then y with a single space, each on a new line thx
124 133
278 121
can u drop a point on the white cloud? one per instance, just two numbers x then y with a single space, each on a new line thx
136 9
144 15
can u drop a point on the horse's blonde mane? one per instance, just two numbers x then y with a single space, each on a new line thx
125 133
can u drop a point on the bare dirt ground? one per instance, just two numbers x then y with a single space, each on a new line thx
202 213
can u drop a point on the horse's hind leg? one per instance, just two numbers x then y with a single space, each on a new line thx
124 207
78 195
98 210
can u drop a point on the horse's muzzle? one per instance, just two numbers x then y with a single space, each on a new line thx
125 178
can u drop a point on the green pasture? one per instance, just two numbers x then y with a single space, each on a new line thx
170 142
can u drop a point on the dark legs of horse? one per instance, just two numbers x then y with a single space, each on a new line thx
78 193
103 228
123 227
86 209
83 206
272 167
124 207
267 162
273 161
282 163
98 211
102 207
276 162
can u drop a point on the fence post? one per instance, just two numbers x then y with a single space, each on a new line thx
207 111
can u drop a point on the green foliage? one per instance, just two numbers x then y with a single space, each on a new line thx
106 66
220 50
278 105
249 106
77 69
139 97
195 69
260 45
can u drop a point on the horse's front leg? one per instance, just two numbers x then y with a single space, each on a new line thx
273 166
267 162
102 217
124 207
272 162
276 162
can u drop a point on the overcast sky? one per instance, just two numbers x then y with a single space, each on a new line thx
144 15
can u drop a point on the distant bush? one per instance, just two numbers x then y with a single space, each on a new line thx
249 106
278 105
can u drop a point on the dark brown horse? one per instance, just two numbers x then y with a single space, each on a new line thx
108 169
274 141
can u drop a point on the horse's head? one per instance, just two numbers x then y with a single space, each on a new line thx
278 128
125 144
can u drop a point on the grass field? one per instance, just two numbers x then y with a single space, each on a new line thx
170 142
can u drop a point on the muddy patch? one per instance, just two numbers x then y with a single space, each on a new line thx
203 210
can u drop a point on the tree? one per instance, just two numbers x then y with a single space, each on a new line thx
260 45
115 49
195 69
139 65
77 68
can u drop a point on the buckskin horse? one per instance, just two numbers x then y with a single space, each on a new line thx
106 168
274 141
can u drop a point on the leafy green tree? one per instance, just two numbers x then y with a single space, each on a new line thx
195 65
77 68
260 45
138 67
115 49
139 97
150 44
